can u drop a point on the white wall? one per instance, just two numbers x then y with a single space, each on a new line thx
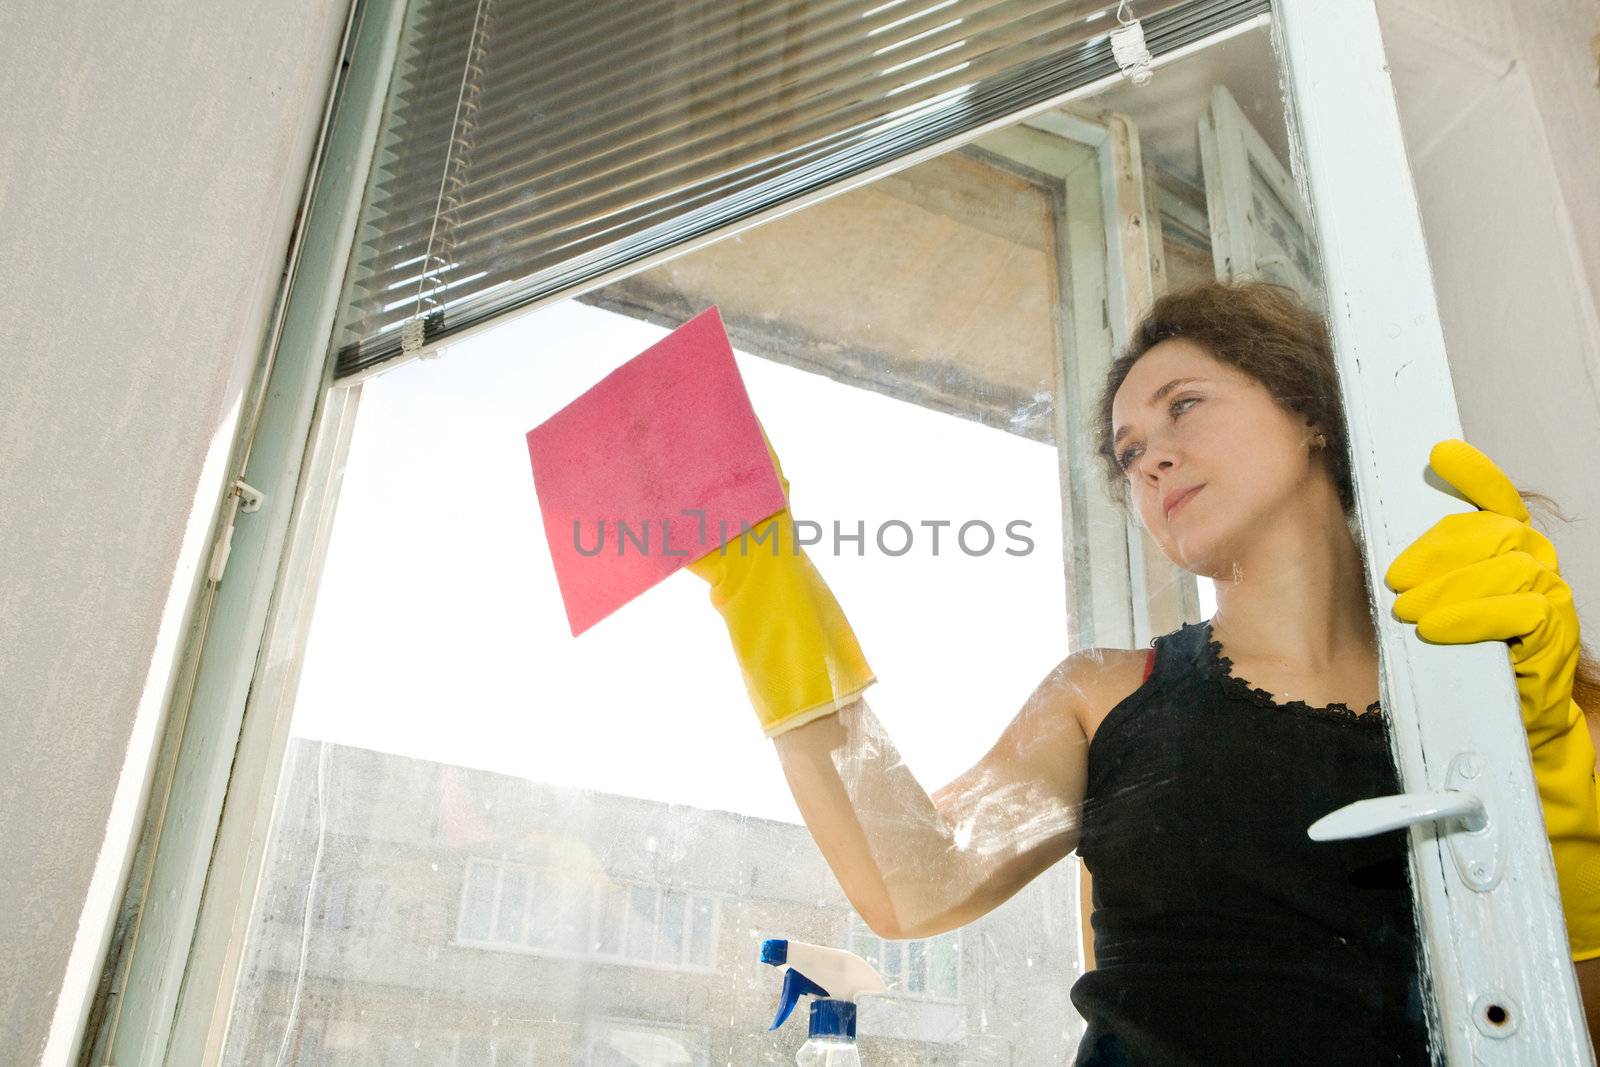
151 158
150 162
1501 117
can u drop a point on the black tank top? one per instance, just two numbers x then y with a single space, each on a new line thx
1222 933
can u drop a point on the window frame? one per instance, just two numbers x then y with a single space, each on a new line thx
1508 944
172 979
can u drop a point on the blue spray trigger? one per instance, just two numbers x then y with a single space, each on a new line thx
795 986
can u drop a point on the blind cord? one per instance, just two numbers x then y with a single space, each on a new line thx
413 334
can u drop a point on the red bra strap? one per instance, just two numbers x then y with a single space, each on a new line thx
1149 665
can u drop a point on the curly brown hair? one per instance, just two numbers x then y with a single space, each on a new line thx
1263 330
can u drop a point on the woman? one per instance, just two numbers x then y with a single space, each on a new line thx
1186 774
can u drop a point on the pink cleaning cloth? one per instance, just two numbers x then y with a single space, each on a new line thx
669 431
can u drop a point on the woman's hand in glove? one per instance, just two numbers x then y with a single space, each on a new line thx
799 657
1488 575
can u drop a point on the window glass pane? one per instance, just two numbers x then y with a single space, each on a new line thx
573 848
641 922
477 902
865 945
513 898
394 1048
513 1052
893 964
437 1046
916 967
703 932
558 913
669 945
944 962
613 920
473 1048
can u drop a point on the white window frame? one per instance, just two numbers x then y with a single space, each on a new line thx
1507 945
172 989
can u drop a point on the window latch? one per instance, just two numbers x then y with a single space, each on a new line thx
1458 812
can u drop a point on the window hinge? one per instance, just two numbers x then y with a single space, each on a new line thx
241 497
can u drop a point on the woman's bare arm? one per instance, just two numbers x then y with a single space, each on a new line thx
916 865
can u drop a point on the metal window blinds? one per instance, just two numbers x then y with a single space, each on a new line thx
529 146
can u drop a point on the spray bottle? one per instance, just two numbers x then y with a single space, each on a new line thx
835 977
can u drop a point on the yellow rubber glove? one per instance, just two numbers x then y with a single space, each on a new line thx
799 656
1490 576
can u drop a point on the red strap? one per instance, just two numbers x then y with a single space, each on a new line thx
1149 665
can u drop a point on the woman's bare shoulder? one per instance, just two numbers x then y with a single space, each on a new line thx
1098 679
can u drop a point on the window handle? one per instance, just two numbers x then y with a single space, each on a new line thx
1378 815
1458 813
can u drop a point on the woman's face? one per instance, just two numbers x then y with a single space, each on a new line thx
1186 420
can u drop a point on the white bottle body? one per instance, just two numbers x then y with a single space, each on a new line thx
828 1052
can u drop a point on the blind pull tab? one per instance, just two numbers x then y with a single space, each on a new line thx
1128 47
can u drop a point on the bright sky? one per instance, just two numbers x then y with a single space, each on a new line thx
439 631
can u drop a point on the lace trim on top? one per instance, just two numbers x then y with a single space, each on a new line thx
1222 669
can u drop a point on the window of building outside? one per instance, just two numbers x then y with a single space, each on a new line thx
353 903
927 968
517 907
